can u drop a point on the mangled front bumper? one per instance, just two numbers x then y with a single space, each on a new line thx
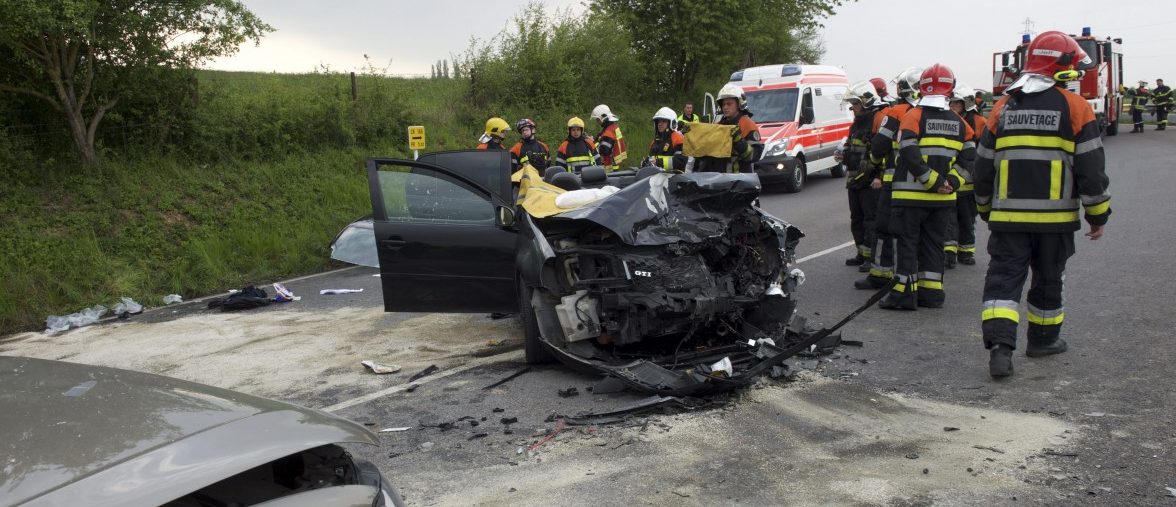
675 285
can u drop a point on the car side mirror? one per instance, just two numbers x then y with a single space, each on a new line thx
807 115
506 216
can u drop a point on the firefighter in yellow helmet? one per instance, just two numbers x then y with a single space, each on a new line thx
577 151
496 129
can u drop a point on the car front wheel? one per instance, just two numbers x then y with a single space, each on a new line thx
534 350
796 177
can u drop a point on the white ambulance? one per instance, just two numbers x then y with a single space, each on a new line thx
800 116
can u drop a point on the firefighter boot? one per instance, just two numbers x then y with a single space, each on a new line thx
967 258
856 260
949 260
871 283
1000 361
865 267
1045 349
895 301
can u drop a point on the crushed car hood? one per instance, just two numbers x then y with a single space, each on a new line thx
668 208
70 431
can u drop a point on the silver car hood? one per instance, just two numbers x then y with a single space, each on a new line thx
73 433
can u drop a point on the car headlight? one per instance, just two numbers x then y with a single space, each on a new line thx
776 149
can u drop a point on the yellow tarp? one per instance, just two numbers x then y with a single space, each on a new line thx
709 140
536 197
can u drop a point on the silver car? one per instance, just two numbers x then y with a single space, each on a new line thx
73 434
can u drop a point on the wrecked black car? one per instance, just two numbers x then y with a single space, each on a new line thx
675 284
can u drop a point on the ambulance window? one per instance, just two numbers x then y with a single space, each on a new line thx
827 103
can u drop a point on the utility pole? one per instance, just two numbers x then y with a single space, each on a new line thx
1029 25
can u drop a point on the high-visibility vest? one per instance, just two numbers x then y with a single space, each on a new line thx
1039 158
575 153
929 142
612 137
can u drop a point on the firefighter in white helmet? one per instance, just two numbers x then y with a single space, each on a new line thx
961 226
747 146
665 150
610 142
869 108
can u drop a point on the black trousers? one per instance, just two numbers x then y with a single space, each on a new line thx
1162 116
1012 254
961 225
1137 118
882 266
920 232
863 211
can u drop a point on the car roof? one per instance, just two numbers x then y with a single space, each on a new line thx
71 431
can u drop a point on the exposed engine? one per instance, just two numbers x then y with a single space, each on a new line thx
661 296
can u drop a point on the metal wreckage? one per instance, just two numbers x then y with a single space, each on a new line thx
677 285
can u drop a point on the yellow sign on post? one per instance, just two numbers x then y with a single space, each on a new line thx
416 137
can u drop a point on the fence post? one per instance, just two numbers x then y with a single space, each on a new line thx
354 95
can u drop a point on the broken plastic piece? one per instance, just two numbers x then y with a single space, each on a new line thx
509 420
508 379
380 369
57 324
172 299
393 430
568 393
723 366
424 373
338 291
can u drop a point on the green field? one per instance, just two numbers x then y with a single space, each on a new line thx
271 171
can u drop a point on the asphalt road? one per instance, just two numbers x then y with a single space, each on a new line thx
868 426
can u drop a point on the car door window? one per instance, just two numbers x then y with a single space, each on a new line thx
421 195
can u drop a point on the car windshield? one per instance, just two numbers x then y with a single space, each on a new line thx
773 106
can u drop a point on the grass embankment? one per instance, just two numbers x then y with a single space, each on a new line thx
280 172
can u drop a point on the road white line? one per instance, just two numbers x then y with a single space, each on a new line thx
515 354
824 252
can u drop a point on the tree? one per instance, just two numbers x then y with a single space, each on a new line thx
80 56
683 40
445 68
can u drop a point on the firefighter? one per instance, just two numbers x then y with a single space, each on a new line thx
961 225
577 151
746 144
883 154
496 129
687 117
665 150
880 87
1040 156
931 138
868 108
980 104
1138 98
529 149
1162 98
610 142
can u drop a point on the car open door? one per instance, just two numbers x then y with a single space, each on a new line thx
445 242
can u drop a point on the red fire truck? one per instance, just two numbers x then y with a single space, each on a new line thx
1099 84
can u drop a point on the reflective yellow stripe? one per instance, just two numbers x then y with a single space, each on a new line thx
1000 313
930 284
1046 321
1055 179
888 178
951 248
923 196
1034 142
983 208
1099 209
939 141
1034 217
899 287
881 273
1003 191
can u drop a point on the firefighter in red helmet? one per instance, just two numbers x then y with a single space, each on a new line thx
1040 158
880 90
931 139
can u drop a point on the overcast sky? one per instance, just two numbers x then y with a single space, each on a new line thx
864 37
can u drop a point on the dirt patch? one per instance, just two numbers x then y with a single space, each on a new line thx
285 354
822 442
